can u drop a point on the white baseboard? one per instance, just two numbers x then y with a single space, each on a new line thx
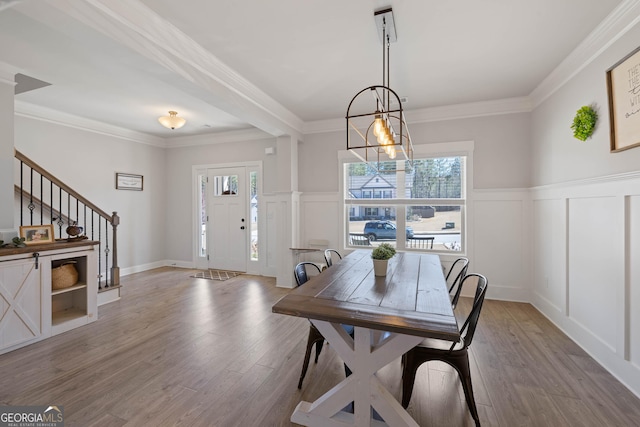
152 265
180 264
106 297
507 293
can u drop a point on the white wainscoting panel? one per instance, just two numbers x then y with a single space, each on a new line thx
271 252
549 253
321 218
498 238
633 281
594 266
592 228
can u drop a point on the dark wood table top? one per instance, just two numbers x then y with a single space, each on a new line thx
412 299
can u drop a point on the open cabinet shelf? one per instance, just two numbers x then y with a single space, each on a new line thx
73 306
71 289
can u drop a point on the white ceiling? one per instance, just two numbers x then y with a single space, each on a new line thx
276 65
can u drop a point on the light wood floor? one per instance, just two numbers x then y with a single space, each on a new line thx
195 352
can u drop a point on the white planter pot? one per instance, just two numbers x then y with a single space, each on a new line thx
380 267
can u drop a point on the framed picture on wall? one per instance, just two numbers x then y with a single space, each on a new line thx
36 234
128 181
623 88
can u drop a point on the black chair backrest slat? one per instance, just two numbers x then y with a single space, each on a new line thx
327 256
300 272
469 327
460 265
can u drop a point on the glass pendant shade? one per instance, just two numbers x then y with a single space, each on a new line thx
172 121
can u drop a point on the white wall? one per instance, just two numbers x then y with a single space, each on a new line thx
501 157
556 155
179 188
87 162
585 223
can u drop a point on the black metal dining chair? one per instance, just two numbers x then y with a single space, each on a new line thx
328 256
454 278
315 337
455 354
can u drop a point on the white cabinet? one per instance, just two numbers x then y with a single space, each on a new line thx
22 303
29 309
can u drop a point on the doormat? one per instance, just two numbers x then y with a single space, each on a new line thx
220 275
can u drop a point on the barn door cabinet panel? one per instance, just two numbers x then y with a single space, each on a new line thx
22 304
30 310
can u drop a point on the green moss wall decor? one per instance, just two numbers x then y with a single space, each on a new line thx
584 123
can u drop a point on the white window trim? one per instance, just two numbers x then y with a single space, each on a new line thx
440 149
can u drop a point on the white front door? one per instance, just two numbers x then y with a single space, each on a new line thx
228 223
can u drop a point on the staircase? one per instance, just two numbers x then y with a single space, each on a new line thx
44 199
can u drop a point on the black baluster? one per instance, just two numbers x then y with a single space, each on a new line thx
106 253
41 199
21 192
51 200
99 257
60 220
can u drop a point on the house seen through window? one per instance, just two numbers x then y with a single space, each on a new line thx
425 202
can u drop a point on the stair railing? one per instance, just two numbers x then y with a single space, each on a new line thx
44 199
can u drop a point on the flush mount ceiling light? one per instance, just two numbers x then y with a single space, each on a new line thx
375 117
172 121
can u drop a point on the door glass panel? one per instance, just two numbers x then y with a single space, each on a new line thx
253 197
226 185
202 192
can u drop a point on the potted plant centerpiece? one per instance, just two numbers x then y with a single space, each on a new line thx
381 256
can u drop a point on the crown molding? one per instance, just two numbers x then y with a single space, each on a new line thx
242 135
614 26
438 114
322 126
469 110
49 115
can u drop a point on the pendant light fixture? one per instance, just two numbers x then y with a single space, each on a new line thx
376 126
172 121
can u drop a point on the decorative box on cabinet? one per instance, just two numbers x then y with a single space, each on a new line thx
30 310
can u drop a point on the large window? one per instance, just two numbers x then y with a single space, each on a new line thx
425 201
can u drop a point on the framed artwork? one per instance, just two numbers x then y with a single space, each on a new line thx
623 89
128 181
37 234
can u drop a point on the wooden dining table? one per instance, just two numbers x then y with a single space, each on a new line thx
391 314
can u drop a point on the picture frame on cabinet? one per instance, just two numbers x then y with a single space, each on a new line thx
37 234
623 90
129 181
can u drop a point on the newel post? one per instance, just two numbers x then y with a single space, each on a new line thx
115 270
